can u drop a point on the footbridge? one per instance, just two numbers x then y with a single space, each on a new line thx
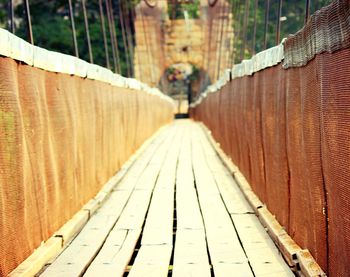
98 178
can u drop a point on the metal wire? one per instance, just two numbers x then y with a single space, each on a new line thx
129 37
234 15
29 23
278 23
74 35
103 29
256 6
239 29
121 21
307 10
267 10
245 27
87 33
110 28
115 36
11 22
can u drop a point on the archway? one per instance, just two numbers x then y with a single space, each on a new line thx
182 82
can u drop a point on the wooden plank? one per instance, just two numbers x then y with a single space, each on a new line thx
308 265
38 259
152 261
240 269
149 146
244 186
73 226
80 253
262 253
251 233
159 223
156 245
52 247
224 247
115 254
187 205
234 199
191 247
188 212
143 160
286 245
190 255
131 219
207 204
135 211
266 261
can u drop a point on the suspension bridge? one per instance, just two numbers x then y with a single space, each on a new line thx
97 178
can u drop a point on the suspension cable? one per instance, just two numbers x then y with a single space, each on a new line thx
87 33
11 22
234 17
307 10
267 10
29 22
110 28
245 27
115 36
278 27
256 6
121 21
239 27
74 34
129 38
103 29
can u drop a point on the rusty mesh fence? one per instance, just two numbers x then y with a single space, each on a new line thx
288 130
61 138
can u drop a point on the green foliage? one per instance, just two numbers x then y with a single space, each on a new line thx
52 28
176 10
195 73
293 11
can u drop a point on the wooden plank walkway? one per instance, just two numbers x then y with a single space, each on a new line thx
177 212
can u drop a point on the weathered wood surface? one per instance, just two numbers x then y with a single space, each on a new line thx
177 212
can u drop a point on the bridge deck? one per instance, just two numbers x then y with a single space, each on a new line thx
176 212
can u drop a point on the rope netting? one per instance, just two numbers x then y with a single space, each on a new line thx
288 132
61 138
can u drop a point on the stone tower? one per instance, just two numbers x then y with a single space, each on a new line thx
205 42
